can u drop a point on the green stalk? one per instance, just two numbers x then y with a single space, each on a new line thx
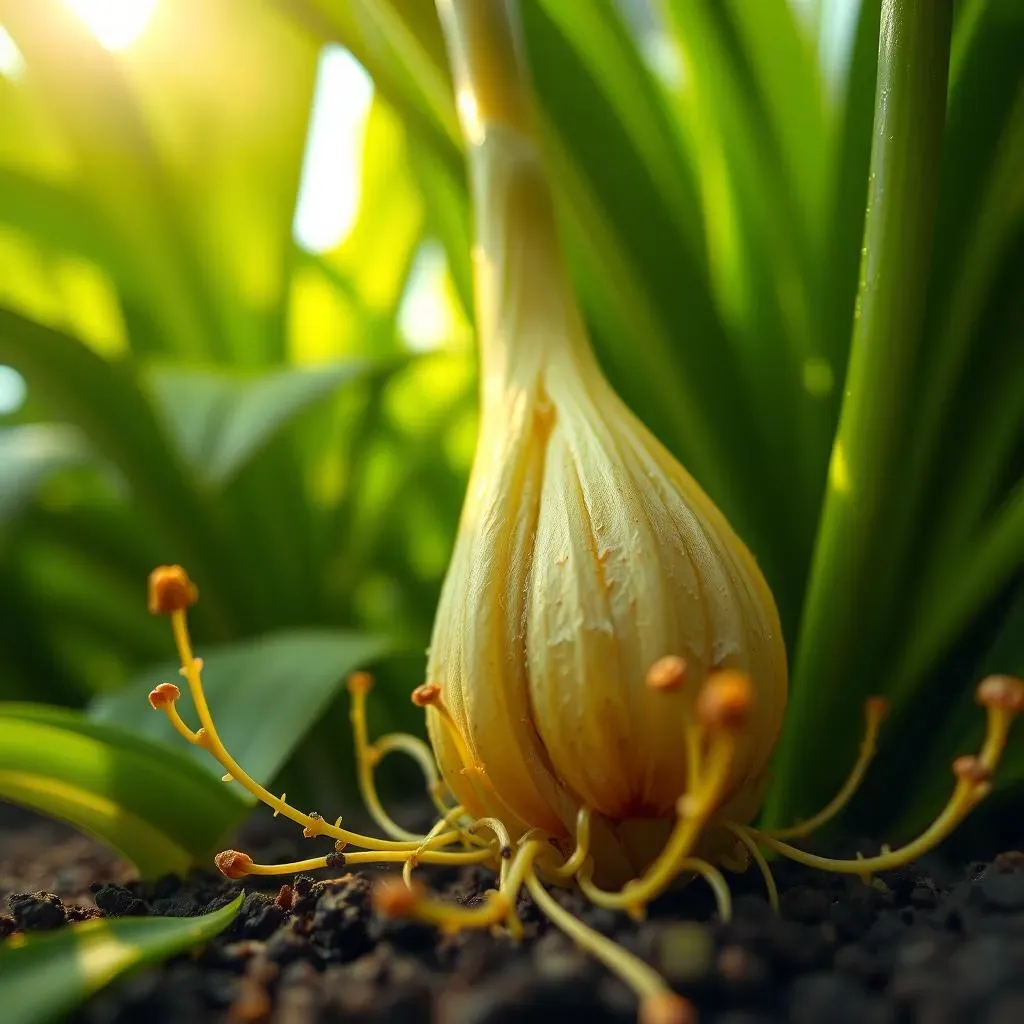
868 452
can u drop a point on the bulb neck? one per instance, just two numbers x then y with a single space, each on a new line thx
527 316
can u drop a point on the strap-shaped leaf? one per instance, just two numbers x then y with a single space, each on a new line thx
45 976
265 694
221 421
150 803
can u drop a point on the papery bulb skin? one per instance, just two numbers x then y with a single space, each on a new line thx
585 552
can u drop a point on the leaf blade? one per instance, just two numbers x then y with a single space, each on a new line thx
102 780
47 976
242 682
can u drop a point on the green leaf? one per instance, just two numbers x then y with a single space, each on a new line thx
399 43
377 254
30 455
663 339
45 977
75 77
106 400
221 421
151 804
838 630
265 694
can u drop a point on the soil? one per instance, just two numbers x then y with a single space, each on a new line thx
941 945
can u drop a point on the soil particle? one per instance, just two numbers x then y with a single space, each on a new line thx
38 911
117 901
930 944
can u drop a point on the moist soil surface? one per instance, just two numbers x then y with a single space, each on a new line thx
935 943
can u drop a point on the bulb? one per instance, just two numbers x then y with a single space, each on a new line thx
585 554
606 679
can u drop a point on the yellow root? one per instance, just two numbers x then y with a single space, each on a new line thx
722 710
875 710
1003 699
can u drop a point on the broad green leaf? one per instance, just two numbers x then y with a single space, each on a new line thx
231 145
221 421
56 216
264 694
105 399
30 455
46 976
119 167
151 804
26 641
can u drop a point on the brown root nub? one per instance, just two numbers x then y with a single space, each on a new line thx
667 1008
393 898
725 700
285 897
163 695
335 860
425 695
171 590
878 707
1003 693
233 863
970 768
667 674
360 682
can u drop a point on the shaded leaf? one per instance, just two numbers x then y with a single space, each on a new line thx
221 421
48 975
151 804
30 455
264 694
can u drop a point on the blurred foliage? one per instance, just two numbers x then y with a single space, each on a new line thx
202 389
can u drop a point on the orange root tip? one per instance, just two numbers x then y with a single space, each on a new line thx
970 769
393 898
171 590
360 683
425 695
725 701
667 1008
667 674
163 695
233 863
878 708
1002 693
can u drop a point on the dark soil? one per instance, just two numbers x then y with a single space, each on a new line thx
942 945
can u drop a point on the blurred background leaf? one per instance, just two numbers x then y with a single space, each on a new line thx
236 333
243 684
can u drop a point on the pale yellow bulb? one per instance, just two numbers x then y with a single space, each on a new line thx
585 553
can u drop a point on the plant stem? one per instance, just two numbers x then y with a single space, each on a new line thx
867 455
526 309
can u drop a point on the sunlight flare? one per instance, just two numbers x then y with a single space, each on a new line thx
116 24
